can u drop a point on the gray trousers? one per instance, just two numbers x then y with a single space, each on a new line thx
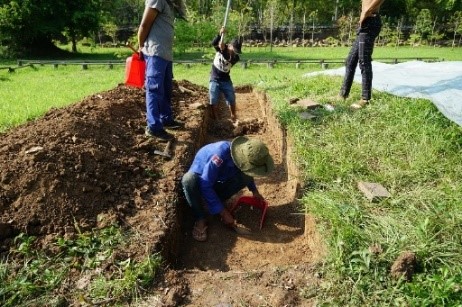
361 51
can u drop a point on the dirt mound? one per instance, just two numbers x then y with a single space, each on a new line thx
90 164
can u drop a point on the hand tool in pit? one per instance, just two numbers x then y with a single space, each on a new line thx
166 153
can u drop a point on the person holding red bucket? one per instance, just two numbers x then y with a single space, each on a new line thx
155 40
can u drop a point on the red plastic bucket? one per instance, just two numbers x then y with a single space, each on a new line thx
254 202
135 69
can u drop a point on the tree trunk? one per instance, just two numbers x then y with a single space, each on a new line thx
74 44
312 32
433 32
271 28
350 27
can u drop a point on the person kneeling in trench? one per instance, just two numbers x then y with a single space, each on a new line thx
219 171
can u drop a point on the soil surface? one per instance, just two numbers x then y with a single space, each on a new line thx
89 165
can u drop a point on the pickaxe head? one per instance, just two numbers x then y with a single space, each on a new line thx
166 152
163 154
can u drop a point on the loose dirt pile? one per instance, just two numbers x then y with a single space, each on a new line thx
89 165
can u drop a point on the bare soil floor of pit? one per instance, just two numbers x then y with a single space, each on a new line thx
89 165
268 267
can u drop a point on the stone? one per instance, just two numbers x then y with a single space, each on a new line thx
307 103
373 191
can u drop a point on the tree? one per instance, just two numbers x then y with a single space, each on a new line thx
29 27
424 25
80 19
456 25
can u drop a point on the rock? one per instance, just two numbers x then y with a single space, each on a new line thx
34 149
307 104
373 191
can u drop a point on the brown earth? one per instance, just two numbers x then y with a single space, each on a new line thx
89 165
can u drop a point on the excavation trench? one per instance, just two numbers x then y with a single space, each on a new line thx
282 251
281 241
89 165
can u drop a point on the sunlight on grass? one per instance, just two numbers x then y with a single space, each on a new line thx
37 279
411 149
29 92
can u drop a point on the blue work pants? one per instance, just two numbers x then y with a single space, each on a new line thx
159 84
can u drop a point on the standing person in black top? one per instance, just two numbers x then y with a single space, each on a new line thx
361 50
220 81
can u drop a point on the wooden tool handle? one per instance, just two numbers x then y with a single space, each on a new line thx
131 47
168 148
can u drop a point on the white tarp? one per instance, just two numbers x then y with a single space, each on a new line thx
439 82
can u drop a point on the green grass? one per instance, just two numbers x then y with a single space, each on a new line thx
404 144
280 53
411 149
307 53
29 92
39 278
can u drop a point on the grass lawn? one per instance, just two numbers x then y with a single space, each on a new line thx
410 148
404 144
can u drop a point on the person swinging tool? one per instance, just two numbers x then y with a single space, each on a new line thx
220 81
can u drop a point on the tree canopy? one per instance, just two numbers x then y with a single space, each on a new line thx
29 26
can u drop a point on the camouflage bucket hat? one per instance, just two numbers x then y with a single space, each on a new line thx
251 156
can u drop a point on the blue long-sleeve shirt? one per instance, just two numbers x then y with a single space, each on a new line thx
214 163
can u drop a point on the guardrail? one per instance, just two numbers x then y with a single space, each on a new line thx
270 63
